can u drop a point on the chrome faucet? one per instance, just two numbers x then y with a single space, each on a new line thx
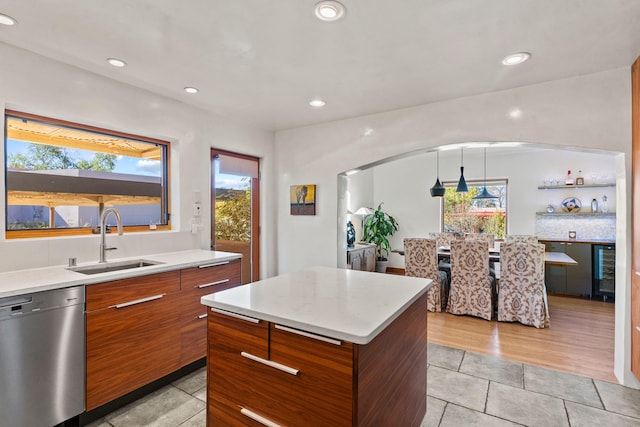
103 226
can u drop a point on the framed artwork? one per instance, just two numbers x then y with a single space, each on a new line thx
303 199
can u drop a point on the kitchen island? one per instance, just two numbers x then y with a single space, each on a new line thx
317 347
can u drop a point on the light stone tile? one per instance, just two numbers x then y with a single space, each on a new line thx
166 407
192 382
435 409
586 416
525 407
620 399
457 416
561 384
492 368
198 420
445 357
201 394
461 389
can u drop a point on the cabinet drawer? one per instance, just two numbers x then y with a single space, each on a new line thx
224 413
318 389
229 335
108 294
225 272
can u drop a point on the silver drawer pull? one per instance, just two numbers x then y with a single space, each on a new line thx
638 328
258 418
219 282
215 264
236 315
283 368
138 301
309 335
202 316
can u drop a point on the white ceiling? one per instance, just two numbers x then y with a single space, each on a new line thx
261 61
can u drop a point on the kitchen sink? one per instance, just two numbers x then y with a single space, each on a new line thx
113 266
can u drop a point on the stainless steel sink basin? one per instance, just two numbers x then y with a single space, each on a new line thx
113 266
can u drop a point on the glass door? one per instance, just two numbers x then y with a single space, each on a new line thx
235 194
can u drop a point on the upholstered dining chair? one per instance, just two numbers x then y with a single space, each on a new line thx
472 287
442 239
523 296
421 260
527 238
489 239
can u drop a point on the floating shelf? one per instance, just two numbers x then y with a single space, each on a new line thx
565 187
597 214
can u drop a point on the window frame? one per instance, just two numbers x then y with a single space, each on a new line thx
478 183
165 200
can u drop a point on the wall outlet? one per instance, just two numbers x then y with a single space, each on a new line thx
197 209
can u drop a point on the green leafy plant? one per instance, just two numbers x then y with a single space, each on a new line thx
377 227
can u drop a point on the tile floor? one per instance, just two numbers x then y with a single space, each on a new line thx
463 389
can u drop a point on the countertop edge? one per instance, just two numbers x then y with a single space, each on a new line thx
304 326
67 278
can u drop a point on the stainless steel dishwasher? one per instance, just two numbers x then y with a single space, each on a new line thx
42 366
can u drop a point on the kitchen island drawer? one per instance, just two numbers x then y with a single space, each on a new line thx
231 333
305 381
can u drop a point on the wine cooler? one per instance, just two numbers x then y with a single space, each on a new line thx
604 271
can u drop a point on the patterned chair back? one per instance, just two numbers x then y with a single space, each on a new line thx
471 291
527 238
522 295
421 260
442 239
489 239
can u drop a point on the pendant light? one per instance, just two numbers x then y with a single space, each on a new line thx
484 194
438 189
462 184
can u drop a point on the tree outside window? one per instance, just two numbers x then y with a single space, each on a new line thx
464 214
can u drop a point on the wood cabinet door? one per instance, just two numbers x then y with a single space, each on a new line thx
195 283
129 346
580 277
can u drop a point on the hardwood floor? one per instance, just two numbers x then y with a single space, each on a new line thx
579 341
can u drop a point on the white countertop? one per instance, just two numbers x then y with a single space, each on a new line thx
350 305
42 279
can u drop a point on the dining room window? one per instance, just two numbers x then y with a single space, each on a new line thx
61 175
463 213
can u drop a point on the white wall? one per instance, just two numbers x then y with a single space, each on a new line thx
403 185
590 111
39 85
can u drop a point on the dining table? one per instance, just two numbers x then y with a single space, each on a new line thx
554 258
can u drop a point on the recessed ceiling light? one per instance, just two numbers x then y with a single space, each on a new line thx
329 10
317 103
515 113
7 20
116 62
516 58
189 89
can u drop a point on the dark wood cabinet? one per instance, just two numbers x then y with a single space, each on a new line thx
570 279
133 334
265 371
143 328
195 283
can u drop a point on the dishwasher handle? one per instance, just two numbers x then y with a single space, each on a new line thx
13 301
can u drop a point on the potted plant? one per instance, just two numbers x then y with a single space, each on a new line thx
377 227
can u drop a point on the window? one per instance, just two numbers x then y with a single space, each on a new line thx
464 214
61 175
